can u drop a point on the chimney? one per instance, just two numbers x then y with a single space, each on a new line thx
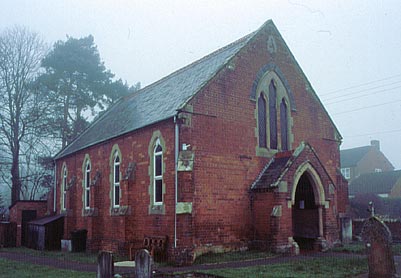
376 144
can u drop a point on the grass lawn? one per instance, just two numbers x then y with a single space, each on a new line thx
211 258
318 268
68 256
65 256
10 268
359 248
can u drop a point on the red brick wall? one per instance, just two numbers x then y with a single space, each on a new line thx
16 213
109 232
221 133
224 141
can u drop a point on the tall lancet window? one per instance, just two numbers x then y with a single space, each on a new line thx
273 115
284 125
262 121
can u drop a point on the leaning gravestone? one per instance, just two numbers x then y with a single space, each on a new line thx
105 265
143 264
377 238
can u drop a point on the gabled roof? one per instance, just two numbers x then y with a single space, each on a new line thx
163 99
272 171
376 183
158 101
351 157
277 167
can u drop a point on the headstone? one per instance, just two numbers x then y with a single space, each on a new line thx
377 238
105 265
66 245
143 264
346 229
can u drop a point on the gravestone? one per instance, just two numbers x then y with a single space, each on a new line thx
143 264
105 265
377 238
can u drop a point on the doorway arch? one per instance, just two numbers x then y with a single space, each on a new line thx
307 199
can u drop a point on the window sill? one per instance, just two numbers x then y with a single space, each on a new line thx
120 211
157 209
90 212
264 152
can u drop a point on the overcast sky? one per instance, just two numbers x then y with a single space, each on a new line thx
349 50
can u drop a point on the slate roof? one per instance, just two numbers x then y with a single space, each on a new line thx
376 183
158 101
272 171
351 157
45 220
162 99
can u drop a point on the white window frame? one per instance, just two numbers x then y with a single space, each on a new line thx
116 180
64 189
378 170
346 173
157 177
87 184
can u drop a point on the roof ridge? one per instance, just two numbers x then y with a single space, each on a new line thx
360 147
196 62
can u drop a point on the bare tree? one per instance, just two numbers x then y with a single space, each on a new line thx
21 52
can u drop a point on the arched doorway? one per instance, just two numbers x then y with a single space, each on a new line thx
305 213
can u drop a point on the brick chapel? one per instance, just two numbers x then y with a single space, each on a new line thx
230 152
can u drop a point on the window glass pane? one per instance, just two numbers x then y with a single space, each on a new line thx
158 165
116 195
262 121
116 173
158 191
158 148
273 115
284 125
87 181
87 198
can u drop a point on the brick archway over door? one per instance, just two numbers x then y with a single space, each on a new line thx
307 199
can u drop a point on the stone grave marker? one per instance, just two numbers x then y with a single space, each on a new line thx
105 265
377 238
143 264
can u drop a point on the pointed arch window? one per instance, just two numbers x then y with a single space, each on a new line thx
262 121
284 125
116 180
273 115
87 183
64 189
274 122
158 173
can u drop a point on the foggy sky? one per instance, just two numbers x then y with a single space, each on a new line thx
349 50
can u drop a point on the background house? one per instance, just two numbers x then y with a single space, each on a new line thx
366 159
383 189
382 184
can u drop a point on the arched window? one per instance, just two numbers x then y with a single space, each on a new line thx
284 125
273 115
87 182
158 173
274 121
116 180
262 121
64 189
